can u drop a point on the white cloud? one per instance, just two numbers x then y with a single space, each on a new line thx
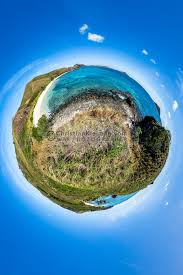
95 37
157 74
166 203
153 61
166 186
169 115
180 69
83 29
179 80
17 76
174 105
145 52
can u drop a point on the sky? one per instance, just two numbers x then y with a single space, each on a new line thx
142 236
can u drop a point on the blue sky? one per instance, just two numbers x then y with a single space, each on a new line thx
143 236
35 29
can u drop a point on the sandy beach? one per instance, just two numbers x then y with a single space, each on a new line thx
39 108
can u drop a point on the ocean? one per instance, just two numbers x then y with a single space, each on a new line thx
73 82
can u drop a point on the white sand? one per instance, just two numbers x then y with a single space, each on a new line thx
90 204
39 108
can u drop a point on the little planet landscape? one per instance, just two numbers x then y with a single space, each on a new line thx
89 137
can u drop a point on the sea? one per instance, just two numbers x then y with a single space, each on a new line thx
86 77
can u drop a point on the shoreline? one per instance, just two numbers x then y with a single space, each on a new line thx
39 110
83 103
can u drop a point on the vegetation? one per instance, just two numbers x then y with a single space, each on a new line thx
41 130
69 177
154 141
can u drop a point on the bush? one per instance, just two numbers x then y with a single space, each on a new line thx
41 130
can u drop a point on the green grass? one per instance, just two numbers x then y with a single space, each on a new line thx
102 169
116 149
95 171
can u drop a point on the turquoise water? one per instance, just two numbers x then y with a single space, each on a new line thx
97 77
109 201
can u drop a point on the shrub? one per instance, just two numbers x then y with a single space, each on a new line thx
41 130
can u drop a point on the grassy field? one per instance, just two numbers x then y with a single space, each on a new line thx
123 166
